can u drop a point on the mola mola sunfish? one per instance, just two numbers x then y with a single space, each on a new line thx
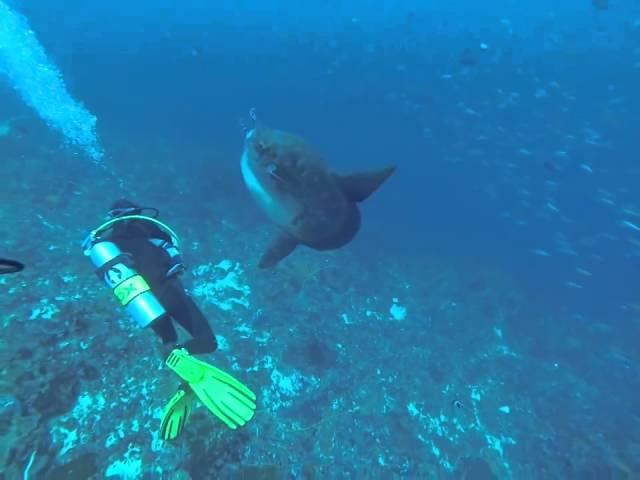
311 205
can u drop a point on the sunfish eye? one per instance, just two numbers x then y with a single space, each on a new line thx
260 147
271 170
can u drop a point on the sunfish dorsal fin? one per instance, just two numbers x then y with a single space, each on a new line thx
279 248
358 186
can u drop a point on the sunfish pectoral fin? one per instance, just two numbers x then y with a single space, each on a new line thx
280 247
358 186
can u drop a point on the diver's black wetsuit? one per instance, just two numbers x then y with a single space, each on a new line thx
153 262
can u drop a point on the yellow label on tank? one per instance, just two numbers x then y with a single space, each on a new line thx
130 288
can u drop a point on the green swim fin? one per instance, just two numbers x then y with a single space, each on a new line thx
224 396
176 414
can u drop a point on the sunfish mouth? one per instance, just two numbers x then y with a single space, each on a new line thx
268 168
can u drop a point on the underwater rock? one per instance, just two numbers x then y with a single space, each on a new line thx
9 407
59 396
259 472
82 468
181 475
309 471
311 353
474 469
14 435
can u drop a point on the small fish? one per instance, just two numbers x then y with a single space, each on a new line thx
586 168
567 250
631 211
411 15
10 266
541 253
634 242
552 207
584 272
468 58
630 225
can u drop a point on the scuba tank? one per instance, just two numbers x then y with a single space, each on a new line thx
115 268
131 290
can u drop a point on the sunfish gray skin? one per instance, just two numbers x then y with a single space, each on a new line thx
311 205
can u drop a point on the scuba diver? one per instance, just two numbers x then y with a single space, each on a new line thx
10 266
139 258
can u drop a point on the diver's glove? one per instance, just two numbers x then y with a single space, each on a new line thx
224 396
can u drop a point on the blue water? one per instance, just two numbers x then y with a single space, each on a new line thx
520 168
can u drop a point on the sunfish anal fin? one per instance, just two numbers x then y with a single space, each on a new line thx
281 246
358 186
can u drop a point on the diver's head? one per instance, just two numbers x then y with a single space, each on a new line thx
123 207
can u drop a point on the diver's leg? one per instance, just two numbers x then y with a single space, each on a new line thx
165 330
163 326
204 340
188 315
